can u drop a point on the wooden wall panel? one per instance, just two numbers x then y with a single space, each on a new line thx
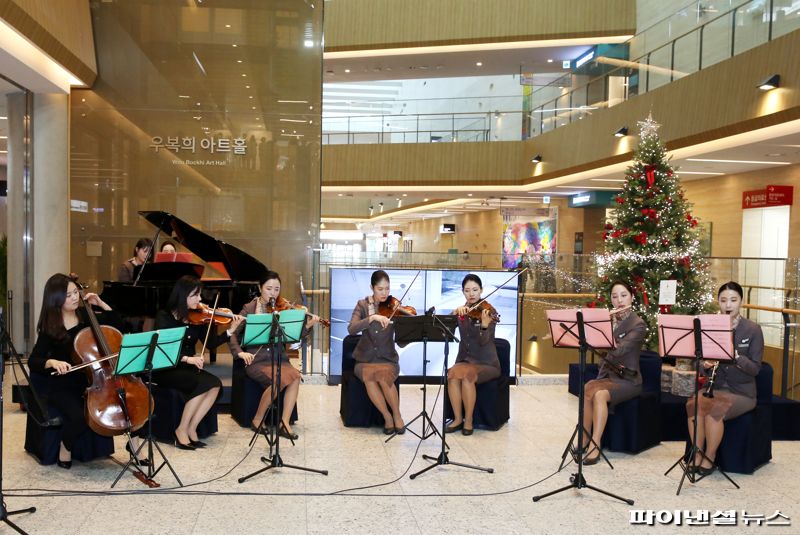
61 28
419 164
372 24
719 200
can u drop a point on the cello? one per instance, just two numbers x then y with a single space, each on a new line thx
94 347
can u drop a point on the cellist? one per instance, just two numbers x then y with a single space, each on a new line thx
60 321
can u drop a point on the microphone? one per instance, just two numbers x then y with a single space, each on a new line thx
430 311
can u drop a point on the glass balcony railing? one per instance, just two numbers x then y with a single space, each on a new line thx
771 286
711 33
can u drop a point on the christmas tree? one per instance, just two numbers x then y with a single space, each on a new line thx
654 237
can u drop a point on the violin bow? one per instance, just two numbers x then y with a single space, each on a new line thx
208 331
482 299
400 301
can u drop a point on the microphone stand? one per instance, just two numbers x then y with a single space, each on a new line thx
277 339
443 458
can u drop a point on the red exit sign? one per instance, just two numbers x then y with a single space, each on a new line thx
769 196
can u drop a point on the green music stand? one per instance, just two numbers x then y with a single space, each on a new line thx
275 330
258 330
143 353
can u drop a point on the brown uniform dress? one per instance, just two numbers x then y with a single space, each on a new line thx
734 384
260 369
477 360
375 355
629 334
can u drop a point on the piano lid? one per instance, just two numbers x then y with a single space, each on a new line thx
239 265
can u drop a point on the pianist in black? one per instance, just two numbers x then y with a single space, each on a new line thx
169 247
140 252
198 387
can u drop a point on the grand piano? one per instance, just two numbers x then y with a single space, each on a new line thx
237 284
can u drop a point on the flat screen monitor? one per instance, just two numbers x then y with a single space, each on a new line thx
438 288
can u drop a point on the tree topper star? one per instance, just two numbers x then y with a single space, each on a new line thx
648 127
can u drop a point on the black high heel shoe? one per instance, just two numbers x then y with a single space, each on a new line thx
136 460
181 446
66 465
197 443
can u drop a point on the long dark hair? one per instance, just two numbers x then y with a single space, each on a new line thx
51 319
730 285
185 286
378 276
474 278
141 244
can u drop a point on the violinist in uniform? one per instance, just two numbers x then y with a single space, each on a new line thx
619 378
377 361
60 321
477 360
258 360
198 387
734 385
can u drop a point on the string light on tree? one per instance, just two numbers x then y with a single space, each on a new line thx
653 236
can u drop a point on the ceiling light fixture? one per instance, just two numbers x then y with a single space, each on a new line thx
622 132
478 64
770 83
736 161
537 159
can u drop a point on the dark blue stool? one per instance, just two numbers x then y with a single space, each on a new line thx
45 442
747 442
635 424
785 419
492 403
246 394
355 407
168 406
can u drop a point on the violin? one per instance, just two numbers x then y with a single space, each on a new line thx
392 306
476 311
106 414
281 304
204 315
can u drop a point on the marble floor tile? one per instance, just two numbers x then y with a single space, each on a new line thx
367 489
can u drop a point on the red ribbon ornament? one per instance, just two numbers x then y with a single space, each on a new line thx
650 174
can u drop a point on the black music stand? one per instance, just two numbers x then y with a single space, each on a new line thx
563 325
675 341
446 324
272 330
408 329
145 352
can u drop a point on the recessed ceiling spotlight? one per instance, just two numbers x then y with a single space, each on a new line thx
238 61
479 64
234 45
347 70
550 60
247 87
244 75
227 25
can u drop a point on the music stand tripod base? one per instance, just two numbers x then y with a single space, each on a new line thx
568 329
271 330
436 328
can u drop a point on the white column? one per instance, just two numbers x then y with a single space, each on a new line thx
16 216
51 230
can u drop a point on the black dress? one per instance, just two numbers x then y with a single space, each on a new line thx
187 379
66 392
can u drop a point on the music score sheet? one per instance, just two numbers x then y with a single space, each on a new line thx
597 325
676 336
